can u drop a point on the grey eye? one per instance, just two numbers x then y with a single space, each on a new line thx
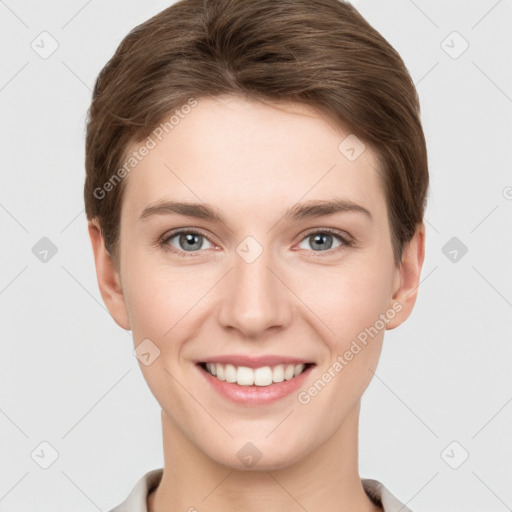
188 241
321 241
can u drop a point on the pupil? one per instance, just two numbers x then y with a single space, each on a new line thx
191 241
320 239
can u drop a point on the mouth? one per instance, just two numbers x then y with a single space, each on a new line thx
259 376
254 380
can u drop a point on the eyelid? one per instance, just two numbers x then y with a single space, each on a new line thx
164 239
346 239
343 235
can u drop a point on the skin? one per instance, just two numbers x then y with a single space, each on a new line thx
252 161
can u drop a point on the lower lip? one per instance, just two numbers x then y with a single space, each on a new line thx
255 395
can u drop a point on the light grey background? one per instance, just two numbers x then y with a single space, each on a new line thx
69 377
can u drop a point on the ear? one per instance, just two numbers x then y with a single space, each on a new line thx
408 278
109 281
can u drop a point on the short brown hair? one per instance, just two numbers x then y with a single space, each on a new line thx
321 53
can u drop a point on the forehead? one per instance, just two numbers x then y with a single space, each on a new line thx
231 152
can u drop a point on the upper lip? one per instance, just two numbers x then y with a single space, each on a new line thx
254 361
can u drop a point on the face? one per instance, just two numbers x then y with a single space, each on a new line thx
275 282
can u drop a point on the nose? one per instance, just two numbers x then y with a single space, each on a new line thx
255 297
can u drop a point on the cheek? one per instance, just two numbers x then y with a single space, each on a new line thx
161 303
348 300
158 298
351 306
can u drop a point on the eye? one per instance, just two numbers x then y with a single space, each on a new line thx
187 242
322 240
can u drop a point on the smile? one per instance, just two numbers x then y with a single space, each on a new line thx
261 376
249 380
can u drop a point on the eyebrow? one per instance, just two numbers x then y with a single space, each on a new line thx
307 210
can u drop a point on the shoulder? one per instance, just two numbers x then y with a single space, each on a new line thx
137 499
382 497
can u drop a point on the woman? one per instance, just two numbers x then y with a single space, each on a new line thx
256 183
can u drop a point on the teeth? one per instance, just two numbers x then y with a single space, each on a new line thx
263 376
230 373
288 372
278 373
244 376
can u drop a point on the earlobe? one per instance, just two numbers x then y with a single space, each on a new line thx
409 275
109 281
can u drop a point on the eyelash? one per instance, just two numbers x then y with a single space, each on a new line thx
163 242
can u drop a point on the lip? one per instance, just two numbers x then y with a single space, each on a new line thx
254 395
254 361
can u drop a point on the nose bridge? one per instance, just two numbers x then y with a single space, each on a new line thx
256 298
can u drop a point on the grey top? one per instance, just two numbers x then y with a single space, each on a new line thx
137 499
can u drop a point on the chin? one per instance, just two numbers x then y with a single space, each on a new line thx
259 455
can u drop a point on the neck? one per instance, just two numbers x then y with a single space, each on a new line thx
326 479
